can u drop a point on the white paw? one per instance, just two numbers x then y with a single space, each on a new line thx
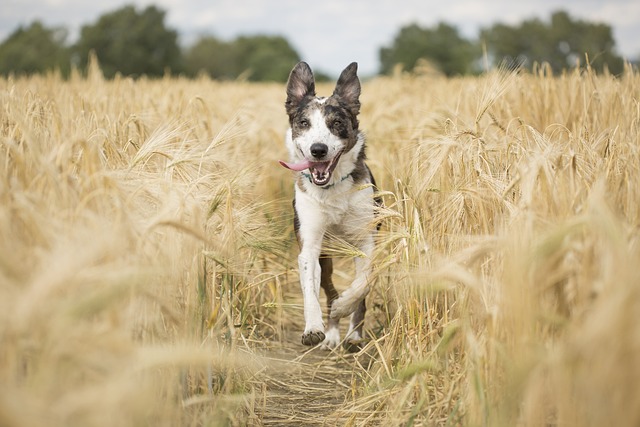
332 339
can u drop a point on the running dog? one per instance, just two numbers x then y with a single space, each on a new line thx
334 196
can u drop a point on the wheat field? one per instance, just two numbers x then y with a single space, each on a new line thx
148 273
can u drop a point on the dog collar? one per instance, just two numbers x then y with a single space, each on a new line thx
326 187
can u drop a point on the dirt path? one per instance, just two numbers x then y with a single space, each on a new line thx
303 386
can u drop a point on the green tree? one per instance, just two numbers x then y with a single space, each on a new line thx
213 57
35 49
266 58
260 58
131 43
562 42
442 46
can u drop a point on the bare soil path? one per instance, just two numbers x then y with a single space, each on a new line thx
304 386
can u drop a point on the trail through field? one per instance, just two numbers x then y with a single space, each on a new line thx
302 385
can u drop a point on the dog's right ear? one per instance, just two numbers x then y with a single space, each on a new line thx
300 84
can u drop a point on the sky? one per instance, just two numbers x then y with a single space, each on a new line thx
329 34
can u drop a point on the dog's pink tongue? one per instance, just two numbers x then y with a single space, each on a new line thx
304 164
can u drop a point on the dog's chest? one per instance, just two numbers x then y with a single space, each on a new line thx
326 209
340 213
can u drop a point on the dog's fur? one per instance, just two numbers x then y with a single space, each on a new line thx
334 196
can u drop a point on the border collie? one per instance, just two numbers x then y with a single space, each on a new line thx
334 196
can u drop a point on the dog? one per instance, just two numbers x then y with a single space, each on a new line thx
334 195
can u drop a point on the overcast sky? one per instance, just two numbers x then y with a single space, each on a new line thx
329 34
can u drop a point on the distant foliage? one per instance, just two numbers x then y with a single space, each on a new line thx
257 58
131 43
442 46
137 42
562 42
34 49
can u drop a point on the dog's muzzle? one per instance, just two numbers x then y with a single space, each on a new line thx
320 172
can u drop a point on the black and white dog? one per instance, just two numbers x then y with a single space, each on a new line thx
334 196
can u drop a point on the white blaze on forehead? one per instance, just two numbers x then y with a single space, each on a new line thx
318 124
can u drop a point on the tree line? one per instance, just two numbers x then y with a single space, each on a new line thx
135 42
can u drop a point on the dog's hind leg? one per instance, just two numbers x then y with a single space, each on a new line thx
332 334
353 342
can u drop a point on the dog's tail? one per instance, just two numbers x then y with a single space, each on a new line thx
350 298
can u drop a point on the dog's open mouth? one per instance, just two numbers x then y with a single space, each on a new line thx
320 172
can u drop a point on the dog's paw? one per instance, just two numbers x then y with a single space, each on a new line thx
332 339
354 342
312 337
353 345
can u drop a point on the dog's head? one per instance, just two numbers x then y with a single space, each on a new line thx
322 129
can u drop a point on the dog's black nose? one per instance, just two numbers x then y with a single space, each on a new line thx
319 150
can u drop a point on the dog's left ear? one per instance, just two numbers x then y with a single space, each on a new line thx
348 87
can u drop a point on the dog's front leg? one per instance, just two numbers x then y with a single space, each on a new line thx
309 265
350 299
310 228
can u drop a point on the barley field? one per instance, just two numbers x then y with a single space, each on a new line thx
148 263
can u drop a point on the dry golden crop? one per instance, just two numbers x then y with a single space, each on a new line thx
147 272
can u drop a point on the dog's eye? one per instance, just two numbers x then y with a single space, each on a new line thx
336 123
303 123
